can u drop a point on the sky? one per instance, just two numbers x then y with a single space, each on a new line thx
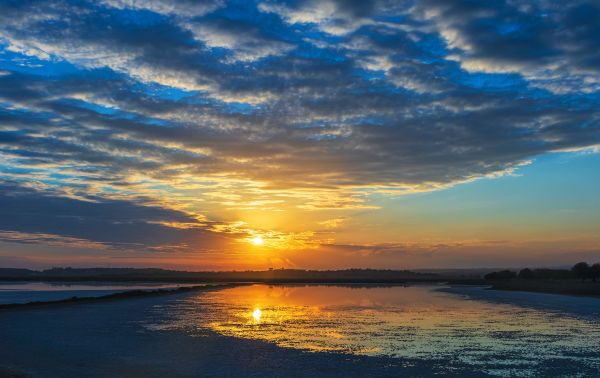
218 135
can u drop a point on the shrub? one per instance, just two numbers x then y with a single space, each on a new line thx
581 270
502 275
526 274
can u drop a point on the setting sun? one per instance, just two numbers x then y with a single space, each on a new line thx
258 240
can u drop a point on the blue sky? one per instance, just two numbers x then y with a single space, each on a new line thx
390 133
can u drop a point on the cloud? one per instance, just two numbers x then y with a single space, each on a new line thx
365 131
33 216
246 41
550 253
181 8
280 105
551 45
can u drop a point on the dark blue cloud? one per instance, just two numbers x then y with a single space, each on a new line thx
114 223
535 34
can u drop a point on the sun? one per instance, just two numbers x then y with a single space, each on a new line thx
257 240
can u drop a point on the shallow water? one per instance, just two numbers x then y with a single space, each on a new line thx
24 292
416 322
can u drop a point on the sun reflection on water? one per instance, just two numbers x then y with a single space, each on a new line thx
257 314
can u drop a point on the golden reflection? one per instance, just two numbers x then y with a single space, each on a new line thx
409 322
257 315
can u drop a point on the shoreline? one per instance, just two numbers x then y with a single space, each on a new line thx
547 286
141 293
129 294
560 287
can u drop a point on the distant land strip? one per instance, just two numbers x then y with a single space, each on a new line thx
268 276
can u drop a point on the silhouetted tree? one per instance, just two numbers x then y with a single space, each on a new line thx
581 270
526 274
502 275
553 274
595 271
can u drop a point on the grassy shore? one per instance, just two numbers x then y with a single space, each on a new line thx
568 287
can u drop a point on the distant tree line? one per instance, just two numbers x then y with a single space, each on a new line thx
271 275
581 270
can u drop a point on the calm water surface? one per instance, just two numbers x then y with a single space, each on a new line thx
417 322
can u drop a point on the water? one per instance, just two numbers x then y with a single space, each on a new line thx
418 322
24 292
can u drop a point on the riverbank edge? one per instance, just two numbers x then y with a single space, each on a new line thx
137 293
560 287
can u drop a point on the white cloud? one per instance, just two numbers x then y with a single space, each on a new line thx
179 8
326 14
246 45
